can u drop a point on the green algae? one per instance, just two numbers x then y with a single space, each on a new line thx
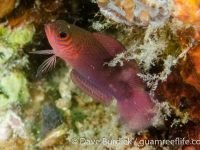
13 88
4 32
13 83
21 36
16 37
5 53
78 115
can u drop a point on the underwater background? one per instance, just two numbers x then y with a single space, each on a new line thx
51 113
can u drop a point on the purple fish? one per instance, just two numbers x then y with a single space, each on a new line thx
87 53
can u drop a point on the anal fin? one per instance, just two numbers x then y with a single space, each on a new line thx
89 88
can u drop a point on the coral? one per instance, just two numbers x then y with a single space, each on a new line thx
187 11
140 12
118 7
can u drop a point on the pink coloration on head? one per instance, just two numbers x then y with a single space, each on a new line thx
87 54
58 37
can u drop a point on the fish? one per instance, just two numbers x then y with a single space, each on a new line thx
88 53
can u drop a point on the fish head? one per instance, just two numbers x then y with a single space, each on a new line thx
59 37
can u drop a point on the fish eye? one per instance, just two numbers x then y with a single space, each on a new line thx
62 34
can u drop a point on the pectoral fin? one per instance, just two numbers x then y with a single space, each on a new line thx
89 88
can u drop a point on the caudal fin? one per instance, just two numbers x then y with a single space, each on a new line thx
137 111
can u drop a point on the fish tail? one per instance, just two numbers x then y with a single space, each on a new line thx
137 111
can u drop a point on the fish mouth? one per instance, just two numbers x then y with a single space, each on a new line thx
48 29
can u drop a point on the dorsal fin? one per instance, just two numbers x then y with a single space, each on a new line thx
89 88
111 45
